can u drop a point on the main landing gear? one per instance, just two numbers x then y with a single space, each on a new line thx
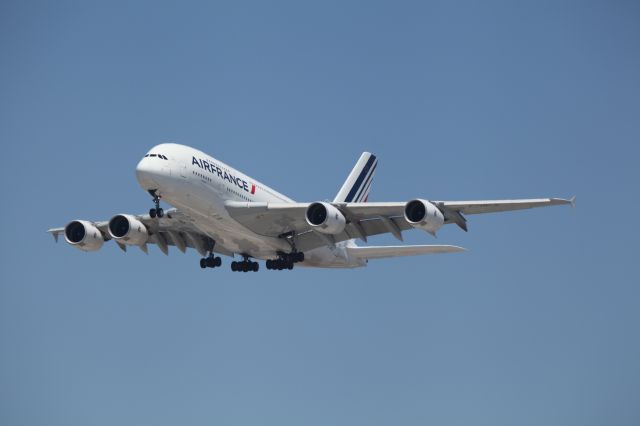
157 212
210 261
245 265
285 261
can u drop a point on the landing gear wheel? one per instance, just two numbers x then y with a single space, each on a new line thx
246 265
157 211
210 261
285 261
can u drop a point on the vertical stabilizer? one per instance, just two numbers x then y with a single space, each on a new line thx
358 184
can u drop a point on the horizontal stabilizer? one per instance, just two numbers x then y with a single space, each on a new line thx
397 251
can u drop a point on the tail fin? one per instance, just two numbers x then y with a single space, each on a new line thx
358 184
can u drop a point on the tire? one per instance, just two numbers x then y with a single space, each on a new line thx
152 213
203 263
255 266
234 266
160 213
210 261
218 262
300 257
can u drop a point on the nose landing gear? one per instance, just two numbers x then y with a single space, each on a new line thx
157 212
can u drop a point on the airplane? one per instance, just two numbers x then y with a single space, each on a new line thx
219 210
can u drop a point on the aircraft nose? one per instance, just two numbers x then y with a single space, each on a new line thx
145 172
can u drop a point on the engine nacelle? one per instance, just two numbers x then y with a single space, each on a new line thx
126 229
424 215
325 218
83 235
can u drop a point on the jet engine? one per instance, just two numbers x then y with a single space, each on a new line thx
325 218
424 215
83 235
126 229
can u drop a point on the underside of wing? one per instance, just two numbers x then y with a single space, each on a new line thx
174 229
280 219
362 220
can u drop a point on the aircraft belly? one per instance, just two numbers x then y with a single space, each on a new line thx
209 215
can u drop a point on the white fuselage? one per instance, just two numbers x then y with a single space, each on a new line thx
199 185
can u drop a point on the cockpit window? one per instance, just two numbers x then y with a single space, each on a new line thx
164 157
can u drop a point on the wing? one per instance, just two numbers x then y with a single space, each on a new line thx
279 219
363 219
174 229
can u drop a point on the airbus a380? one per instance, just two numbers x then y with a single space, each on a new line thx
219 210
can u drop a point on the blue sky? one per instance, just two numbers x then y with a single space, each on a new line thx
536 324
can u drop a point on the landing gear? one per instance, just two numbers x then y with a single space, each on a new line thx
285 261
157 212
279 264
211 261
245 265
